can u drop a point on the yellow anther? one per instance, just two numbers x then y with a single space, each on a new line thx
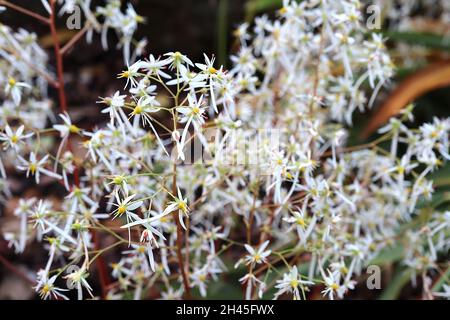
33 168
138 109
196 110
294 283
124 74
121 210
141 249
301 222
74 129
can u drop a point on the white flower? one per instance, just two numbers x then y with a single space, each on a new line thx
147 235
291 282
176 59
252 282
66 128
332 285
77 279
114 103
35 167
47 289
193 113
131 74
14 139
179 204
212 73
199 278
155 66
125 206
14 88
259 255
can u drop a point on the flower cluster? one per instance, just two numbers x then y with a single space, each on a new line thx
306 210
105 17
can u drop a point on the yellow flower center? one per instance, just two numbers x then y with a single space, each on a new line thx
11 82
74 129
195 110
212 70
182 206
139 19
14 138
164 218
288 175
46 289
118 180
294 283
121 210
334 286
33 168
301 222
137 109
276 34
344 39
141 249
124 74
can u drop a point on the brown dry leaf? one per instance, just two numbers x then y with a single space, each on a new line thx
64 36
14 288
424 24
433 77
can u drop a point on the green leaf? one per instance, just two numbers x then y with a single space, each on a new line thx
254 7
396 284
224 290
426 39
388 255
445 278
441 177
439 198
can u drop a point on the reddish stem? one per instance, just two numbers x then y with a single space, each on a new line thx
59 60
60 76
25 11
104 278
8 265
101 266
181 265
75 39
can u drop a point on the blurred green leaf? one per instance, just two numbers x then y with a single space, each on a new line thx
438 199
445 278
224 290
222 30
396 284
425 39
441 177
388 255
254 7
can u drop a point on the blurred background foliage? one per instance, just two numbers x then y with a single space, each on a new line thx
195 27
